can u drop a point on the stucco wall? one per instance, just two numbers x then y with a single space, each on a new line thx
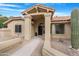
11 26
9 43
5 34
34 28
66 35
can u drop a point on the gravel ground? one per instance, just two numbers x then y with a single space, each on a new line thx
65 47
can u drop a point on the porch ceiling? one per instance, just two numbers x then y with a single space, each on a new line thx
37 17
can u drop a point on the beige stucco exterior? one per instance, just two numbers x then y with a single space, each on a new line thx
32 20
5 34
11 26
66 35
34 28
27 30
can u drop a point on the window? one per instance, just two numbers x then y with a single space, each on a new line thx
18 28
59 28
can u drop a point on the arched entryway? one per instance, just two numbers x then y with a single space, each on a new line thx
33 17
38 25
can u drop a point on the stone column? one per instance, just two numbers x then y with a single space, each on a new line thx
47 29
27 30
67 31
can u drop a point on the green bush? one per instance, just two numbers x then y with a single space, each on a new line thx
2 20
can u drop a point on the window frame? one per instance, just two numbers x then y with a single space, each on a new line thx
18 28
61 29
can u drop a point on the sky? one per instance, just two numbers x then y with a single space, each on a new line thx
15 9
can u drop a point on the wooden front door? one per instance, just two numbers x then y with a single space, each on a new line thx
40 30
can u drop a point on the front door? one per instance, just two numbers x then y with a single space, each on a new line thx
40 29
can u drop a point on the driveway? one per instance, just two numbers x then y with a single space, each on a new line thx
34 48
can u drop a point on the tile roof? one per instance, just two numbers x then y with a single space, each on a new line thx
12 19
55 19
61 18
20 18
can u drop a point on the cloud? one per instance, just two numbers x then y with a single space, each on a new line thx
10 9
9 5
62 14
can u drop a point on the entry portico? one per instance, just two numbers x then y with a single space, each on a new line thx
36 18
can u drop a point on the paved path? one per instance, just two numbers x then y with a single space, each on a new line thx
32 48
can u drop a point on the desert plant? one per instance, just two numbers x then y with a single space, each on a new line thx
75 28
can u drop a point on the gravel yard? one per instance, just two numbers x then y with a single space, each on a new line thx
64 46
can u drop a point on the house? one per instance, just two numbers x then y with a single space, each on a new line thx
39 21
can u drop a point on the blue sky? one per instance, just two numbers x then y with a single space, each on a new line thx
15 9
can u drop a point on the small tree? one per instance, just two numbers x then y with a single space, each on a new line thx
2 19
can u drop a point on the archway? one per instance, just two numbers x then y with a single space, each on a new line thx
36 13
38 25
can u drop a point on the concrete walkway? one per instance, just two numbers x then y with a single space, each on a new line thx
32 48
